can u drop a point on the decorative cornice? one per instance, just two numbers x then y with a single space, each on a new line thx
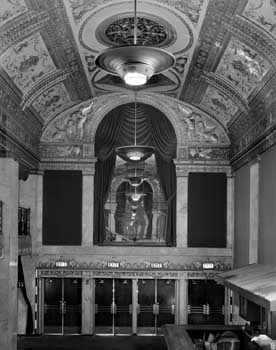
87 167
17 151
157 267
250 154
22 27
183 168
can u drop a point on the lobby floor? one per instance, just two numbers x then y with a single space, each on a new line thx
91 342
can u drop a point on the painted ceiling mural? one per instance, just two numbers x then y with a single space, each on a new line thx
49 46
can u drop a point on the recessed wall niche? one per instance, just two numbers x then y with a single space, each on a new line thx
118 219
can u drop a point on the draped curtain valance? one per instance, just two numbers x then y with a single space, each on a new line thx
117 129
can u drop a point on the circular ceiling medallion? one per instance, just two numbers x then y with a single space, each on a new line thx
151 31
158 26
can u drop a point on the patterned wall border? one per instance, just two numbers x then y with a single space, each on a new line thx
212 31
63 48
255 150
127 274
152 269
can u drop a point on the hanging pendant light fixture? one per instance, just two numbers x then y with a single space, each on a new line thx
135 153
135 180
135 197
135 64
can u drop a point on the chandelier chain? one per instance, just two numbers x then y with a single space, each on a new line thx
135 23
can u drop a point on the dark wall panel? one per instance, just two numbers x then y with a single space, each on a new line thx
267 234
242 208
207 197
62 208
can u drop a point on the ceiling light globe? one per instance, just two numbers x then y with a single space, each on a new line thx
135 79
135 73
135 156
135 197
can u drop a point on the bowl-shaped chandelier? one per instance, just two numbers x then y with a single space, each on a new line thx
135 153
135 64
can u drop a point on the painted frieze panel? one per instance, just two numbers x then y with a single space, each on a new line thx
219 104
70 127
191 8
65 152
201 129
214 153
31 60
52 101
262 13
242 67
79 8
10 9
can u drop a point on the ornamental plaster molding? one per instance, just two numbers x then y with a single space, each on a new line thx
113 265
252 35
191 125
18 152
49 80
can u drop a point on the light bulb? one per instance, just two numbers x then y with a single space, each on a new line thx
135 78
135 155
135 197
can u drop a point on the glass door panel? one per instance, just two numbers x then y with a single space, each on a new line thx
145 308
215 301
123 306
196 301
72 305
206 300
104 307
166 302
53 307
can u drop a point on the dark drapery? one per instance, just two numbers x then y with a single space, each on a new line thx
154 129
107 138
165 142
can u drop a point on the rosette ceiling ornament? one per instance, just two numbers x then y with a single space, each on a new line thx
135 64
135 153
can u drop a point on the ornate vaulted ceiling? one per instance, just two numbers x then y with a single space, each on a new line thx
225 61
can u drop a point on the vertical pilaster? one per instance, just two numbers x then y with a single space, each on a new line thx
9 190
134 305
181 316
230 211
36 225
228 307
87 206
254 212
87 306
181 206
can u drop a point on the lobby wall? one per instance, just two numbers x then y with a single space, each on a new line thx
267 236
242 206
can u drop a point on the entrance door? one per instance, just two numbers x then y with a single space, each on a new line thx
62 305
113 306
72 305
206 302
123 302
53 305
156 305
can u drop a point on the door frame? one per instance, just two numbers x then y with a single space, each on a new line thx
39 309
